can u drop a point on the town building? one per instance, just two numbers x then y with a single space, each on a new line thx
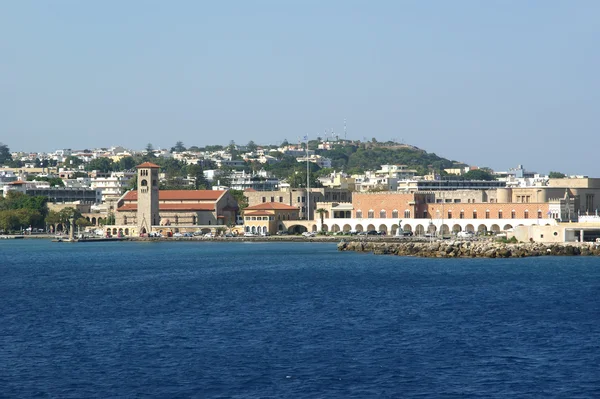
268 218
149 209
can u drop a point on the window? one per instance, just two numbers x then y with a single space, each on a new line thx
513 214
462 214
487 214
526 214
407 214
280 199
425 214
499 214
298 199
264 199
382 214
359 214
272 199
539 214
449 214
371 213
395 214
144 183
474 214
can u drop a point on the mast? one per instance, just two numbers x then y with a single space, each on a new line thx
307 182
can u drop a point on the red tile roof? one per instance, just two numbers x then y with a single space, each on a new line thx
249 190
272 205
172 195
148 165
17 183
172 207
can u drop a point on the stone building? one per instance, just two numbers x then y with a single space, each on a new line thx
149 209
268 218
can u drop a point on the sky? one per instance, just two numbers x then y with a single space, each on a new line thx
489 83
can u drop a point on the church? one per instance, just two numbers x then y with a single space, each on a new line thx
148 209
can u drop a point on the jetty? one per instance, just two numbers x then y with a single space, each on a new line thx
470 249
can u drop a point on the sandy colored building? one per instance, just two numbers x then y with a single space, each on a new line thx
268 217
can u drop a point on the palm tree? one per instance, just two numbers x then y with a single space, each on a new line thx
321 213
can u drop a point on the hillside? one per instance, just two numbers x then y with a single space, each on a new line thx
370 156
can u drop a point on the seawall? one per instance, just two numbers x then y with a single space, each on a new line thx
470 249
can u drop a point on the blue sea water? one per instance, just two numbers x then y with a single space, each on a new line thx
292 320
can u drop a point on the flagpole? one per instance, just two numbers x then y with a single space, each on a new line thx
307 183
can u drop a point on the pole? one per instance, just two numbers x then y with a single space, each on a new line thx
307 183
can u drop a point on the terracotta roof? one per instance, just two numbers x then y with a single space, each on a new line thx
249 189
148 165
272 205
172 207
168 195
17 183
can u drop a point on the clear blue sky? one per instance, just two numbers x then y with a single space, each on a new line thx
491 83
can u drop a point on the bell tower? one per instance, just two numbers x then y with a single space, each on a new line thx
147 197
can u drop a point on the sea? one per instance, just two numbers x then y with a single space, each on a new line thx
291 320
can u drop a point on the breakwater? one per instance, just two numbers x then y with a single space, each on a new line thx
470 249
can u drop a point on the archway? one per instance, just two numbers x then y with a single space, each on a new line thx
335 228
394 229
347 228
444 229
495 228
383 228
407 227
314 228
470 228
359 227
142 231
482 229
419 230
431 229
126 231
297 229
325 228
456 228
507 227
370 227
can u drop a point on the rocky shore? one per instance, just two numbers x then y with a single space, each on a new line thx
470 249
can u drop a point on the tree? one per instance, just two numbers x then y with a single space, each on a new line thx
179 147
5 155
72 162
197 173
9 221
82 223
321 213
478 174
126 163
251 146
241 199
103 165
149 148
556 175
